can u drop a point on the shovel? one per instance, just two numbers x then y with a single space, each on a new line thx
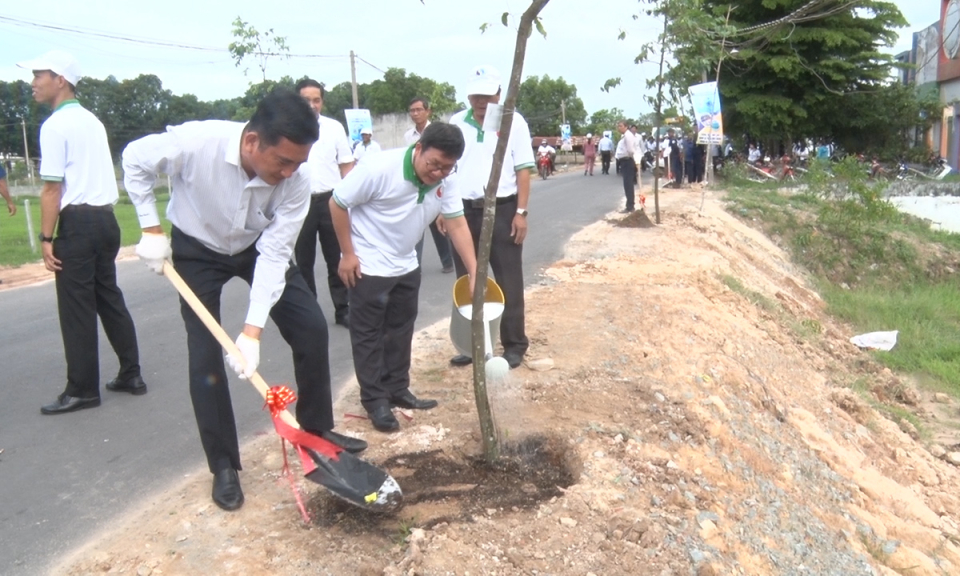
346 476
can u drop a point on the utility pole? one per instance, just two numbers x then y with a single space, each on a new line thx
26 149
563 110
353 79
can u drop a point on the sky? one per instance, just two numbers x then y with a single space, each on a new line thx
438 39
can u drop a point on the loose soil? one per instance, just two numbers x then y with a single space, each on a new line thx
662 424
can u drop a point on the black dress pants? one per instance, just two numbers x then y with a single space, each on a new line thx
383 311
319 225
506 261
605 162
296 314
88 239
628 170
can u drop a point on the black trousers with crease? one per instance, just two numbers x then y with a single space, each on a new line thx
300 321
318 225
87 242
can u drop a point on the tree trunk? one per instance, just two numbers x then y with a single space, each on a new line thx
491 449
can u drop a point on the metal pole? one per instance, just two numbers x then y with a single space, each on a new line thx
26 153
30 235
353 79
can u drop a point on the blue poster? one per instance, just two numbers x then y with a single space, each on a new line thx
357 120
706 108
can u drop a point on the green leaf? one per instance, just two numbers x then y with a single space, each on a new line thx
622 35
484 26
611 83
505 18
540 28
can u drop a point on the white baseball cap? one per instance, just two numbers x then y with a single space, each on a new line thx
589 135
366 131
58 62
483 81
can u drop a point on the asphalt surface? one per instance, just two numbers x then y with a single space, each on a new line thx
64 478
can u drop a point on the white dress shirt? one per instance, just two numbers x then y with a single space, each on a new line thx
629 145
215 201
411 136
359 151
326 156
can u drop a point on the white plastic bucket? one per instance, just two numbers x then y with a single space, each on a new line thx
461 334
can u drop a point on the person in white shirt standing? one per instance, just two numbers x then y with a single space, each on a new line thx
237 204
366 146
329 161
626 149
380 211
605 147
79 191
419 110
513 193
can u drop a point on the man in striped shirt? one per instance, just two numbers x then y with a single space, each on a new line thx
236 206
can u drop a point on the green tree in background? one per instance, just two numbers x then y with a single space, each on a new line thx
541 101
604 119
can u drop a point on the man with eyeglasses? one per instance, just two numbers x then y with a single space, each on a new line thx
380 211
513 192
419 111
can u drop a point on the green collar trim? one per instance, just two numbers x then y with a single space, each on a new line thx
410 175
67 103
469 119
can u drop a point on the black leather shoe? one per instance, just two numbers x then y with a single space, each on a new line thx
226 489
135 385
408 400
343 320
461 360
352 445
384 420
513 359
66 404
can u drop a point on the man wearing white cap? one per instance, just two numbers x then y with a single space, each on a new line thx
513 192
79 191
589 155
367 145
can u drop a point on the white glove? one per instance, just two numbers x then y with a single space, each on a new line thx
153 249
250 349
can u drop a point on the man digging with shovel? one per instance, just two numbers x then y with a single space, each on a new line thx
236 205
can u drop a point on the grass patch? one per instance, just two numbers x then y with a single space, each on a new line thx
15 240
805 329
875 268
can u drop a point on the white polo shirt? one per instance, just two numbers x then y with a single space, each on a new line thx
389 210
330 151
473 169
74 151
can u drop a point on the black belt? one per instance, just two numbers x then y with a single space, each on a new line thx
327 193
477 203
87 208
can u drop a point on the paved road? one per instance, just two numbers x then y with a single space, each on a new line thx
64 477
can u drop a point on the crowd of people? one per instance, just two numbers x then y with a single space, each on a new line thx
252 200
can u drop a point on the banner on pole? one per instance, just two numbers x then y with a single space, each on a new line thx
706 107
357 120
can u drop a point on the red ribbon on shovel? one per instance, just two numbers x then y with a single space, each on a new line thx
277 400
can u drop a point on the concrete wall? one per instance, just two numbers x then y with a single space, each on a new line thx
388 129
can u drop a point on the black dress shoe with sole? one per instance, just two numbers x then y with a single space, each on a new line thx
411 402
384 420
67 403
513 360
461 360
135 385
343 321
352 445
226 489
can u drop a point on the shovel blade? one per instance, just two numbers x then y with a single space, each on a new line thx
356 481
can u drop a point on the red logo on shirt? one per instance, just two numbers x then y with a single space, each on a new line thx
440 192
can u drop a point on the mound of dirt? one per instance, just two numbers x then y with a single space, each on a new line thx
663 424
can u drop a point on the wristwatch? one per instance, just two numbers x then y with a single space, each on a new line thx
45 238
522 212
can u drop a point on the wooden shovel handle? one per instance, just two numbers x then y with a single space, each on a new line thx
218 332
